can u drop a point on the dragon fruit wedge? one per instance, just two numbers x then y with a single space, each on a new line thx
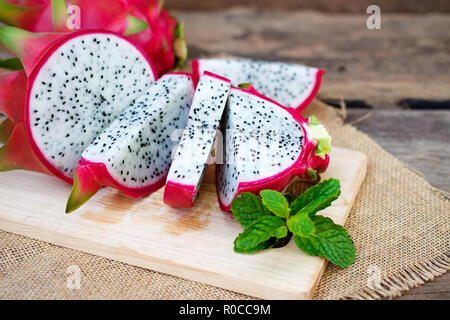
197 140
72 87
134 154
144 21
291 85
265 145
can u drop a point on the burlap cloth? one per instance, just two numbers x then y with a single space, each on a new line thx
399 223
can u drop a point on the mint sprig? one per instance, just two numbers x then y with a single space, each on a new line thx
272 219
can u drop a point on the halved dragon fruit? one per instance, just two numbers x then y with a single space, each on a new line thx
144 21
72 87
197 140
134 154
291 85
266 145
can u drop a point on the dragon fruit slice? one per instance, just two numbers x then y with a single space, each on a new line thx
159 34
134 154
197 140
265 145
291 85
76 84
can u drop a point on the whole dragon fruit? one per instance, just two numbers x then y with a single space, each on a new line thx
72 87
266 145
134 154
197 141
291 85
142 20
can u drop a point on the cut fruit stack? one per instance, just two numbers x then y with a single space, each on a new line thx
88 108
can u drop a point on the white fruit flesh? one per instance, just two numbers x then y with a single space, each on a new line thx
198 137
137 147
261 140
288 84
83 86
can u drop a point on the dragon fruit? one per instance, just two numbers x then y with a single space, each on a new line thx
72 87
13 86
197 140
265 145
291 85
134 154
142 20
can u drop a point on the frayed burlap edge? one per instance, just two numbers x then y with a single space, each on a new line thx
411 277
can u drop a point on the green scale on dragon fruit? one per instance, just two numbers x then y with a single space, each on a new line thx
266 145
72 87
197 140
134 153
291 85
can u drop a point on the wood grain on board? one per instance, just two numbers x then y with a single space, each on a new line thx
196 244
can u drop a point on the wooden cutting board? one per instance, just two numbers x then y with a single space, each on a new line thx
196 244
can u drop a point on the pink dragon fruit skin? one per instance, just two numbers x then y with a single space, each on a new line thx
13 84
29 15
158 33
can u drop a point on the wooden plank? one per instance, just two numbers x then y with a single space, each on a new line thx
336 6
195 244
420 138
439 289
405 59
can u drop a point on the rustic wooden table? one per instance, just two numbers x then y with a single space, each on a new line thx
395 81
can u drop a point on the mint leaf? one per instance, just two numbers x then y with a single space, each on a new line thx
247 208
308 244
262 246
258 232
275 202
329 240
317 197
301 224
